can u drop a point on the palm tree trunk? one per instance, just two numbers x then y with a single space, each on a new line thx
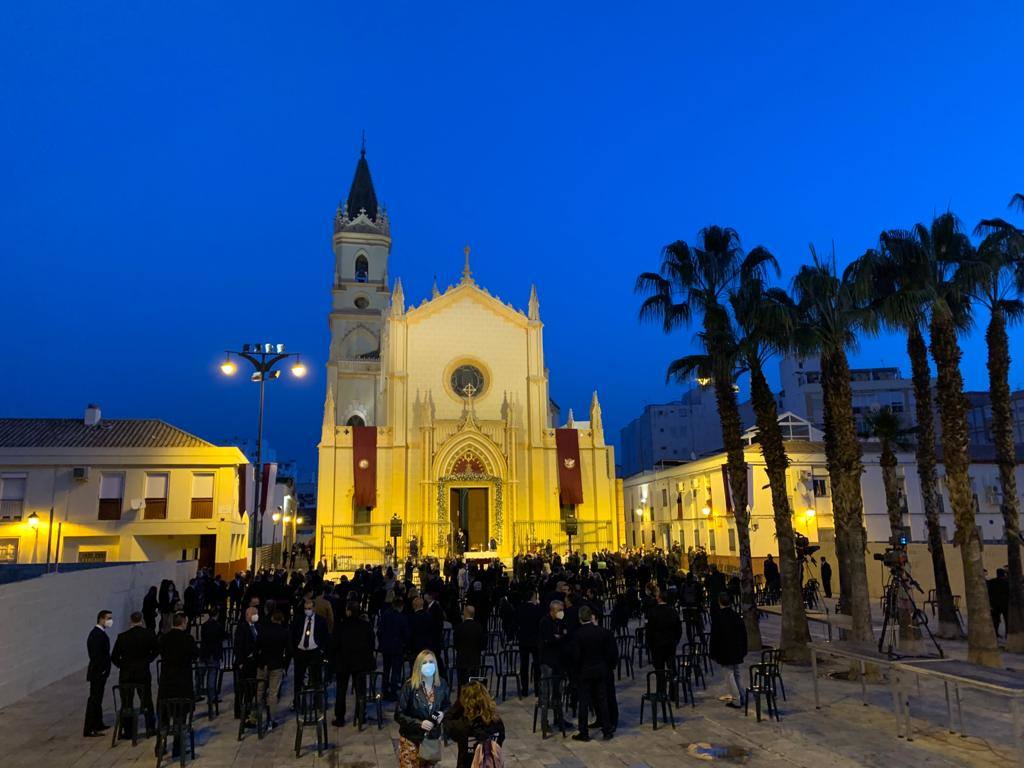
1002 428
949 625
732 439
981 637
832 464
910 638
794 633
847 503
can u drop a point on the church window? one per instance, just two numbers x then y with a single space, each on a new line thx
362 302
362 269
355 421
468 380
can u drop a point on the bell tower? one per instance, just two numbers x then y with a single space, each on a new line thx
362 243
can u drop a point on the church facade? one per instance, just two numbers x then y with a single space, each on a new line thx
438 415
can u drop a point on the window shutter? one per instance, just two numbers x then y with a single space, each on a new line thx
111 486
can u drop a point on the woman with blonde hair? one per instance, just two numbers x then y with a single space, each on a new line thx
473 722
422 702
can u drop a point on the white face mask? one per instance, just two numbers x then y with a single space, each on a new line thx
560 615
309 611
108 623
255 618
428 669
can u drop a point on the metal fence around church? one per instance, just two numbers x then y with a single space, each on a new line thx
532 536
349 546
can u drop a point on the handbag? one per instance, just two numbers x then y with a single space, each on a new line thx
430 750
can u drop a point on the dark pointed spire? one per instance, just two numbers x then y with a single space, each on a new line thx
361 196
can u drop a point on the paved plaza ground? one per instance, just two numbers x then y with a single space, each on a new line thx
45 730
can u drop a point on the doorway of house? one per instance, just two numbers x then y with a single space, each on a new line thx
207 550
469 512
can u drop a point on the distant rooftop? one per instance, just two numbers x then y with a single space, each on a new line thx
106 433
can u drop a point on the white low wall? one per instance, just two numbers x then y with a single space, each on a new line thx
44 622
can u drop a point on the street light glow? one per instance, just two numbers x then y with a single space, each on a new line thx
706 510
33 520
298 521
228 367
298 370
287 518
276 517
810 512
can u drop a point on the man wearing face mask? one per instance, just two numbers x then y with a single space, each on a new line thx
310 640
98 646
553 636
246 649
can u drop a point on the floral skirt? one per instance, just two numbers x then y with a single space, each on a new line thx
409 754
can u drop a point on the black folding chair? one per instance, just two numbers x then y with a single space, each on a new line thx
312 710
508 668
251 709
176 722
771 660
555 688
658 695
761 684
127 710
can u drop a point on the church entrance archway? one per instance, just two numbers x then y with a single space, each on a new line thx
470 518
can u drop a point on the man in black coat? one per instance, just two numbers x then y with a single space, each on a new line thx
355 659
772 582
310 642
98 646
593 653
552 636
664 630
528 617
728 646
421 628
273 654
177 652
246 647
470 641
134 650
826 577
392 640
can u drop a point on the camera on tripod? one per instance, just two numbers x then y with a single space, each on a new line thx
804 548
895 555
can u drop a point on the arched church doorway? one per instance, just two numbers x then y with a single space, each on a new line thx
470 513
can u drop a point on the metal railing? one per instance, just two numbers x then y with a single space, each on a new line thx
532 536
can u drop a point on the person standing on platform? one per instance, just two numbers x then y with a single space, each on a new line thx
98 646
134 650
826 577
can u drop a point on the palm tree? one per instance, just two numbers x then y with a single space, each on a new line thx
696 280
885 426
997 276
899 278
831 311
764 318
944 249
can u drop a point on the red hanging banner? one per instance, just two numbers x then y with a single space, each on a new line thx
570 479
364 466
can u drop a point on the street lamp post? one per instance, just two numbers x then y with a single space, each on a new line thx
33 523
276 517
263 358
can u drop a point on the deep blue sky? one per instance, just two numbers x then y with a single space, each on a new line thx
170 172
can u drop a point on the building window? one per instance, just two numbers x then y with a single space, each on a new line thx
664 497
732 540
820 487
362 302
696 537
355 421
654 538
362 521
92 557
111 497
8 551
202 496
362 269
12 497
711 541
156 497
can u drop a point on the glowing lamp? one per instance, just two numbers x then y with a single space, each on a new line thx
810 512
33 520
706 509
228 367
276 516
287 518
298 369
298 521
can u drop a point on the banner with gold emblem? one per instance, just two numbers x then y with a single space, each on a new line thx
364 465
570 478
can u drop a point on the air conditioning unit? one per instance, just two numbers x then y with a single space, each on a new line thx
81 474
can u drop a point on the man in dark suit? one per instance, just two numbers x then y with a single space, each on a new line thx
421 628
246 647
211 648
392 641
134 650
470 640
552 636
528 617
593 653
664 630
98 646
310 641
177 652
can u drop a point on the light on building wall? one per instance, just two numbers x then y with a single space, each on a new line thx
276 517
33 520
810 512
706 509
228 367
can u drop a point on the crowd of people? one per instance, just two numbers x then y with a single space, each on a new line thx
442 630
